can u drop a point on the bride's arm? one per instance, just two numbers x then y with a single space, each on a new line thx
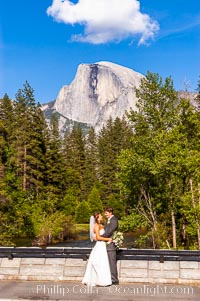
98 236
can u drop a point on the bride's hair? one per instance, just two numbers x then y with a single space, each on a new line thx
96 217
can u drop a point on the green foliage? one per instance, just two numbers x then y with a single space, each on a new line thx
117 204
70 201
82 213
48 227
164 157
147 169
6 241
55 179
94 201
91 159
114 137
132 222
74 153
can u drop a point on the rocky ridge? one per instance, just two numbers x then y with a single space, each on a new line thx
99 91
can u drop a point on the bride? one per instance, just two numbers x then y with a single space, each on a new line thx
98 268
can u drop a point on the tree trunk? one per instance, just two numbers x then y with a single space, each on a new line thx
173 228
152 214
25 169
184 237
173 219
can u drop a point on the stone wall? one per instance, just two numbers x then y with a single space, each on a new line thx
68 269
179 272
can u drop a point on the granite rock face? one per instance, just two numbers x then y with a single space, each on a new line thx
99 91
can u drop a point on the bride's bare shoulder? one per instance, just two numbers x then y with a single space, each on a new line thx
97 227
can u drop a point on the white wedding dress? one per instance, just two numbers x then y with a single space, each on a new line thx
98 268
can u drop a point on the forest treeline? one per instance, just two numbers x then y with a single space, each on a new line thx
145 165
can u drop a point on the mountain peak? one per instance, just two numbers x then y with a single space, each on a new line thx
99 91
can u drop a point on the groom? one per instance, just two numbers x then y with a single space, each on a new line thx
110 227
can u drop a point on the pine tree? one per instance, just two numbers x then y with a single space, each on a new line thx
91 172
7 113
55 179
113 138
3 145
27 146
6 124
74 154
94 201
69 202
25 136
82 214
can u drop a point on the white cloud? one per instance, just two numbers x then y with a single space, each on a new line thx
105 20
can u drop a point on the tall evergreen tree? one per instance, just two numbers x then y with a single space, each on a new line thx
70 201
94 201
2 149
25 156
91 157
6 124
7 113
55 179
82 214
27 147
113 138
74 153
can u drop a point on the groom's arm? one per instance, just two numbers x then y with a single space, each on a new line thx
110 228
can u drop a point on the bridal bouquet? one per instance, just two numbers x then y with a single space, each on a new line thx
118 239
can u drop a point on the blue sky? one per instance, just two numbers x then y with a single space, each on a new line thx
43 41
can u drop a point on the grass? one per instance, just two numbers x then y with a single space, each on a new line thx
81 227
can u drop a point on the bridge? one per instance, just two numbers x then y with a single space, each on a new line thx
68 264
83 253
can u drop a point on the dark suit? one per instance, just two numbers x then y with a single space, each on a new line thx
110 227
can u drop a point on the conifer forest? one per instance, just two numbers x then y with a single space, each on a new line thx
146 166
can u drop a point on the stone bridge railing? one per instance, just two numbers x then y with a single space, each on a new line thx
68 264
